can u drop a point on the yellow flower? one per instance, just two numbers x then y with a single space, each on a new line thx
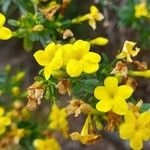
4 121
145 73
141 10
58 120
112 97
79 59
99 41
5 33
16 133
136 129
87 135
50 58
128 51
93 16
46 144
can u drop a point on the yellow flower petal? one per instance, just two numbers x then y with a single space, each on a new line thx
7 121
111 82
136 142
126 130
2 129
80 48
67 53
101 93
42 57
92 57
74 67
145 133
5 33
47 72
120 107
90 68
130 117
99 16
57 61
51 48
2 20
144 118
91 60
38 143
1 111
93 9
124 91
92 23
104 105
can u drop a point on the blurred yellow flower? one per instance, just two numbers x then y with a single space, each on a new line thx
141 10
58 120
136 129
50 58
112 97
16 133
128 51
5 33
46 144
145 73
4 121
99 41
80 59
92 17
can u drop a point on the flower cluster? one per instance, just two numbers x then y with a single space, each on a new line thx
75 58
93 85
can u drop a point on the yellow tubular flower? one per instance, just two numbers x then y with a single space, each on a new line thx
87 135
112 97
58 120
4 121
145 73
99 41
81 60
136 129
93 16
46 144
128 51
5 33
50 58
141 10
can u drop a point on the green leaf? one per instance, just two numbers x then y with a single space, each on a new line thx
14 23
145 107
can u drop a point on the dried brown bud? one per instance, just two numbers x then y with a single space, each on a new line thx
65 5
67 34
64 87
131 82
35 94
50 11
77 106
121 69
140 65
113 121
